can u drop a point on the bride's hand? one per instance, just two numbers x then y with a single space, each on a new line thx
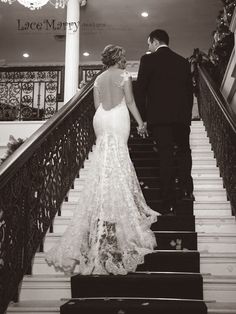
142 130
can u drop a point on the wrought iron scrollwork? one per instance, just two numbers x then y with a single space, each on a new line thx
30 93
221 131
34 185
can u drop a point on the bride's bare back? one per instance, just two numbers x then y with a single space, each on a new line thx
109 88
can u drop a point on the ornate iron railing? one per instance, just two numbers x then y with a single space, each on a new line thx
34 181
220 123
30 93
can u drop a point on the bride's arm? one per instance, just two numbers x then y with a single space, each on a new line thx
96 95
130 102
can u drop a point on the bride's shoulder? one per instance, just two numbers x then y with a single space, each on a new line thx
99 78
125 75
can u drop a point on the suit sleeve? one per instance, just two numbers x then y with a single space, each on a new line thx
142 86
189 86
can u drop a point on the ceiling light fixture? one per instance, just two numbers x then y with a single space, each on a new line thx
25 55
144 14
86 54
38 4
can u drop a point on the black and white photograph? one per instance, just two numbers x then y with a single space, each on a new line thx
117 157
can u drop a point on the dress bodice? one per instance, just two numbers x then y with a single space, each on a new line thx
110 87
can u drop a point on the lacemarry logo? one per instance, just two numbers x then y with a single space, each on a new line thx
47 26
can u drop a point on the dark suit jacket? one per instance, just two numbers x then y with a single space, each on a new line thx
164 92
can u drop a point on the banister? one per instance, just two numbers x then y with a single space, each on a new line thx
8 168
34 182
222 103
220 122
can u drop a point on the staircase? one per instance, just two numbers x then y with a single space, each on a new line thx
195 260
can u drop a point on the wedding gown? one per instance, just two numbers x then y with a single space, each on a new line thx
110 230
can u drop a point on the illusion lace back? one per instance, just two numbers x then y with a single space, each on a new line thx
110 230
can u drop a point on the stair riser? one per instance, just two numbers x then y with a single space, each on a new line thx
141 285
164 223
196 137
49 291
60 227
218 266
210 212
175 262
199 184
214 266
221 292
216 244
218 195
153 160
175 241
196 154
155 163
32 311
216 228
194 145
203 212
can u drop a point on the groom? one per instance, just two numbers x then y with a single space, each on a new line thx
165 99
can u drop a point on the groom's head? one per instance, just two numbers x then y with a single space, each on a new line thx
156 38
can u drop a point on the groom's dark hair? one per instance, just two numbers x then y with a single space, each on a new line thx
160 35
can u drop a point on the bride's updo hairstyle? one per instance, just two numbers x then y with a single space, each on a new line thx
111 55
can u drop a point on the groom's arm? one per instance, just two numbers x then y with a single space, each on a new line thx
142 86
189 86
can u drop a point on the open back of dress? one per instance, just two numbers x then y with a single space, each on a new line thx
110 85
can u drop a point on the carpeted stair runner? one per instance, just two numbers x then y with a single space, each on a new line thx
133 306
169 281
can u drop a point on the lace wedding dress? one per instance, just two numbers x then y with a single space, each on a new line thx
110 230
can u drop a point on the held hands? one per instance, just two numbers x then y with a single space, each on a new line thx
142 130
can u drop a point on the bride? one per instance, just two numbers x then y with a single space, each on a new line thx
110 230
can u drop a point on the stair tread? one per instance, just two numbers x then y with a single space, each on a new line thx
61 277
137 305
202 253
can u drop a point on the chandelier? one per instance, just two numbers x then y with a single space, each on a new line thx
38 4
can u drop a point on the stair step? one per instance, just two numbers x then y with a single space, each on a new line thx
152 154
154 171
212 208
199 182
166 240
213 263
177 223
200 138
160 260
53 307
221 308
154 162
194 145
36 307
176 240
201 209
212 224
171 261
56 287
219 288
223 264
167 285
134 306
220 242
45 287
154 194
